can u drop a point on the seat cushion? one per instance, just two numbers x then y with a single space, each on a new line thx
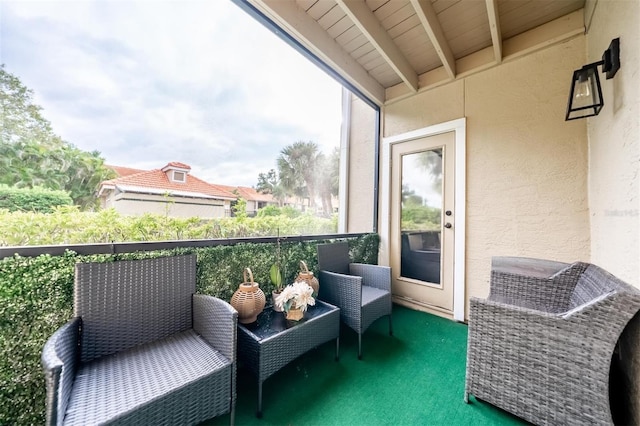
147 381
375 304
370 294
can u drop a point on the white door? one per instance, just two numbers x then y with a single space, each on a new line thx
422 226
427 266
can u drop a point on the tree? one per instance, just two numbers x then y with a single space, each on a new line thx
268 183
431 161
31 154
328 179
297 166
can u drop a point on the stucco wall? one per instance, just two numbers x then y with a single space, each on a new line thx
138 204
614 174
361 167
526 166
614 144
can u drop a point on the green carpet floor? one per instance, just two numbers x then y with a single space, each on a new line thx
415 377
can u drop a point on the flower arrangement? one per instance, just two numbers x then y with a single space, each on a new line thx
298 295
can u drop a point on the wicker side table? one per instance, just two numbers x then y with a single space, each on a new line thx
272 342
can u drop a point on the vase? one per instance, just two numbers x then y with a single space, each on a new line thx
248 299
275 294
295 314
307 276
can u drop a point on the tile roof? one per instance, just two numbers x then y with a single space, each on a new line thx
177 165
152 181
124 171
249 194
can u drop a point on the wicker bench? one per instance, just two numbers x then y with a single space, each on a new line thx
540 346
142 348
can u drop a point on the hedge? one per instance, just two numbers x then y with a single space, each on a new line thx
36 297
37 199
68 225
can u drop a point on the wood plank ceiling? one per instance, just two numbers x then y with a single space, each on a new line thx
389 49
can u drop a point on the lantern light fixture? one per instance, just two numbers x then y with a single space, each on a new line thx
585 99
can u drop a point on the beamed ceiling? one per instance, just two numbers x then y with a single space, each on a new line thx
389 49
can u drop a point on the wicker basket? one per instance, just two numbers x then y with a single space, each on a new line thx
307 276
248 299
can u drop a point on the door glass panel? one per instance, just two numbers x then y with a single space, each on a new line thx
421 215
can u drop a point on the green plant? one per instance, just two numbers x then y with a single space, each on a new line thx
269 210
68 225
275 273
36 199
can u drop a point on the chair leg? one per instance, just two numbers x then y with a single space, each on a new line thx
359 345
390 326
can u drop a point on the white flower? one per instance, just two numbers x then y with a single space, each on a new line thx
296 295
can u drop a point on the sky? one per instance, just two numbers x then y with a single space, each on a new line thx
147 82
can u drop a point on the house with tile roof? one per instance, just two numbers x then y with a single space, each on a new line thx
171 190
257 200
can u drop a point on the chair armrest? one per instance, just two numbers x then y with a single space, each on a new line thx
344 291
372 275
60 358
550 294
216 320
607 315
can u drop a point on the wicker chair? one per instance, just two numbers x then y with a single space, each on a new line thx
361 291
541 345
142 348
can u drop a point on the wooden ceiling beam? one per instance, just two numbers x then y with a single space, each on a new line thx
368 24
494 26
543 36
429 19
288 15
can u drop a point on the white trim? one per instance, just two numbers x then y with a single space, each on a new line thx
458 126
104 188
170 192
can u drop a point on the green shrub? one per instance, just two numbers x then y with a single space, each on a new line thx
36 199
36 297
290 212
269 210
68 225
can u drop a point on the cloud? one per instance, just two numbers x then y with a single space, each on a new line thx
148 82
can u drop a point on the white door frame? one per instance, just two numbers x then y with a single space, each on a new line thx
459 128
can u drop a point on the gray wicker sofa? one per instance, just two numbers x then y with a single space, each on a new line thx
541 345
142 349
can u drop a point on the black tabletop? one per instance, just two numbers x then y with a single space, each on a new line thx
270 322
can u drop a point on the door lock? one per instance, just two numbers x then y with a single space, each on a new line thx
448 225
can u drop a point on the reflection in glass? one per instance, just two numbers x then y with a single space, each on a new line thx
421 215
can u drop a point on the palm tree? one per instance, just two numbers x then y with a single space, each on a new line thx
328 179
297 166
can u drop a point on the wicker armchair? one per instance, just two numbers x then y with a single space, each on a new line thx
142 348
541 345
361 291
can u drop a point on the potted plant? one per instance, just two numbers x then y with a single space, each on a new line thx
294 300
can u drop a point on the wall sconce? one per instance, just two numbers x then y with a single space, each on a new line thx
585 99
